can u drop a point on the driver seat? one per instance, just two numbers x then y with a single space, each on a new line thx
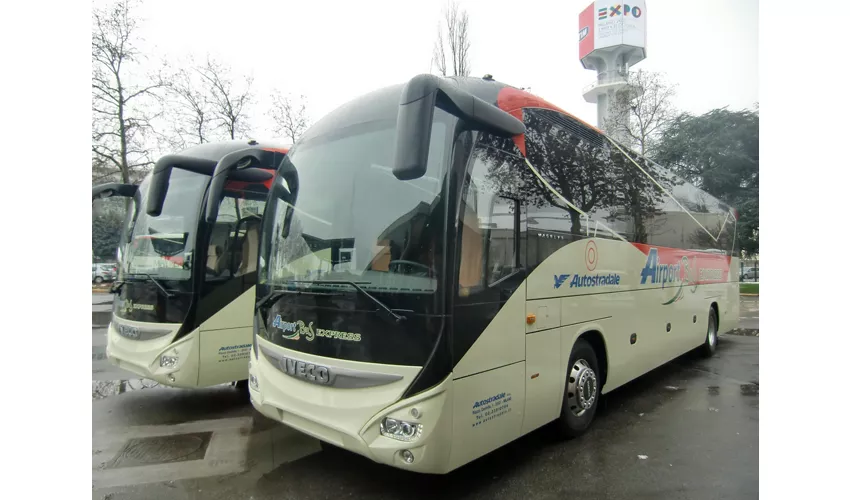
250 246
214 258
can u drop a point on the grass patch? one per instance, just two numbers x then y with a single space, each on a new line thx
750 288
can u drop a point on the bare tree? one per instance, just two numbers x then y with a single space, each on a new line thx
646 102
230 100
121 112
456 38
191 110
290 118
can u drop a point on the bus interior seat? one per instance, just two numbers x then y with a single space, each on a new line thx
250 246
214 258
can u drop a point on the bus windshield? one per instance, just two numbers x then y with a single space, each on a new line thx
162 246
353 220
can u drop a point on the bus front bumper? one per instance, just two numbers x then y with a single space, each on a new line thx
314 410
158 359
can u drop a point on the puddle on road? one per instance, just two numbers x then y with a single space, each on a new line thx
101 389
713 390
750 389
744 332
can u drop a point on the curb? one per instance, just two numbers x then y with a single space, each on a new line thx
748 294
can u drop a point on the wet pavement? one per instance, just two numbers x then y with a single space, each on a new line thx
749 315
688 429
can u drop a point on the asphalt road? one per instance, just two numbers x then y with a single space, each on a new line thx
688 429
102 370
749 315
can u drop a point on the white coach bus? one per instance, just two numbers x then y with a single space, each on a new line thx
188 264
449 264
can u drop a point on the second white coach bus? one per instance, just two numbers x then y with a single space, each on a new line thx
449 264
188 254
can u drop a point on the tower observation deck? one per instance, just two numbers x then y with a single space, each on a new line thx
612 38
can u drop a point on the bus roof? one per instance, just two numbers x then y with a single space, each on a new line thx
214 151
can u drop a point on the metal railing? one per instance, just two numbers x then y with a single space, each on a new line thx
606 78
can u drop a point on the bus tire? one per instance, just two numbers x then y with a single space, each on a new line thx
710 344
581 391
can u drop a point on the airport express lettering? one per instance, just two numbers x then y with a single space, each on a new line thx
654 272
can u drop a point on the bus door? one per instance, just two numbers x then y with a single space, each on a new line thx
230 275
488 317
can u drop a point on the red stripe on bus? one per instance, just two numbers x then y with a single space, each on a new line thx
698 260
513 100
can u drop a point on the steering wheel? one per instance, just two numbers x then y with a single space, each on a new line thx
423 269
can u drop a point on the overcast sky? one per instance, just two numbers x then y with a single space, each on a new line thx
335 51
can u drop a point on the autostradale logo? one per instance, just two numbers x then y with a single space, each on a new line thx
559 280
619 10
582 280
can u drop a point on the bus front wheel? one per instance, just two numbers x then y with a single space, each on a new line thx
581 393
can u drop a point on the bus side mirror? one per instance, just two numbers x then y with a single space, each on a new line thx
416 114
158 189
162 174
290 175
112 189
237 160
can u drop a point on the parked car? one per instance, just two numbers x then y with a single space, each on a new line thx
103 272
749 273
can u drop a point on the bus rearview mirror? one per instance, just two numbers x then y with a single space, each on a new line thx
242 159
416 114
112 189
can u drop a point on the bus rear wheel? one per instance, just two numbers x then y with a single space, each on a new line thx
581 393
710 345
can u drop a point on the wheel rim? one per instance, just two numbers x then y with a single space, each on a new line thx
581 388
712 331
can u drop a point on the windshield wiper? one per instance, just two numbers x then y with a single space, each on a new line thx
276 294
156 282
384 311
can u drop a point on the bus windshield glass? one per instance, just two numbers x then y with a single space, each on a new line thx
353 219
162 246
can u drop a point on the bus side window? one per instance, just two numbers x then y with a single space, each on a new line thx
572 162
488 225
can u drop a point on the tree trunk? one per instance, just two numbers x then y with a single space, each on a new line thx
122 130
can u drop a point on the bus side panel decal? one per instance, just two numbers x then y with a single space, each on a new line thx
488 411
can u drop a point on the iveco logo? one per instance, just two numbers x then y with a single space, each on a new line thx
131 332
306 371
583 33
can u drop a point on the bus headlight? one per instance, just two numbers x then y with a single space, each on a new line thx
400 430
168 361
